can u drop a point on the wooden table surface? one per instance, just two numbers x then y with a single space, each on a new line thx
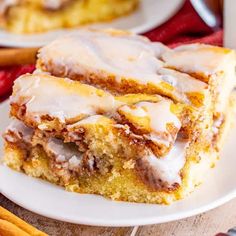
206 224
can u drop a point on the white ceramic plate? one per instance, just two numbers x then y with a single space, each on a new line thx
150 14
52 201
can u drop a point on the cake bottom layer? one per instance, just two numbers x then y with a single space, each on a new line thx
121 183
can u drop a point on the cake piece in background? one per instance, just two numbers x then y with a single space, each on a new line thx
32 16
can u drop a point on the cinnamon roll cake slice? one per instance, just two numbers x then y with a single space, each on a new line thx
111 113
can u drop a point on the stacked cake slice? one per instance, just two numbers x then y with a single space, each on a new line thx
112 113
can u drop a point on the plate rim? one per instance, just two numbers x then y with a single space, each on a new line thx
133 222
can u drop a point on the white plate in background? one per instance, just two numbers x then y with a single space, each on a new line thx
52 201
150 14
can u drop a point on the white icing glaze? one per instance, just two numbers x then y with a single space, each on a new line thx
89 120
168 168
184 82
159 48
20 130
60 98
196 58
135 111
125 57
160 115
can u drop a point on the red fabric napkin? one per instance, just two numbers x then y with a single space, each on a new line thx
185 27
8 75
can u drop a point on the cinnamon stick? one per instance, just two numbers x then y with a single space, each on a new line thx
12 225
17 56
